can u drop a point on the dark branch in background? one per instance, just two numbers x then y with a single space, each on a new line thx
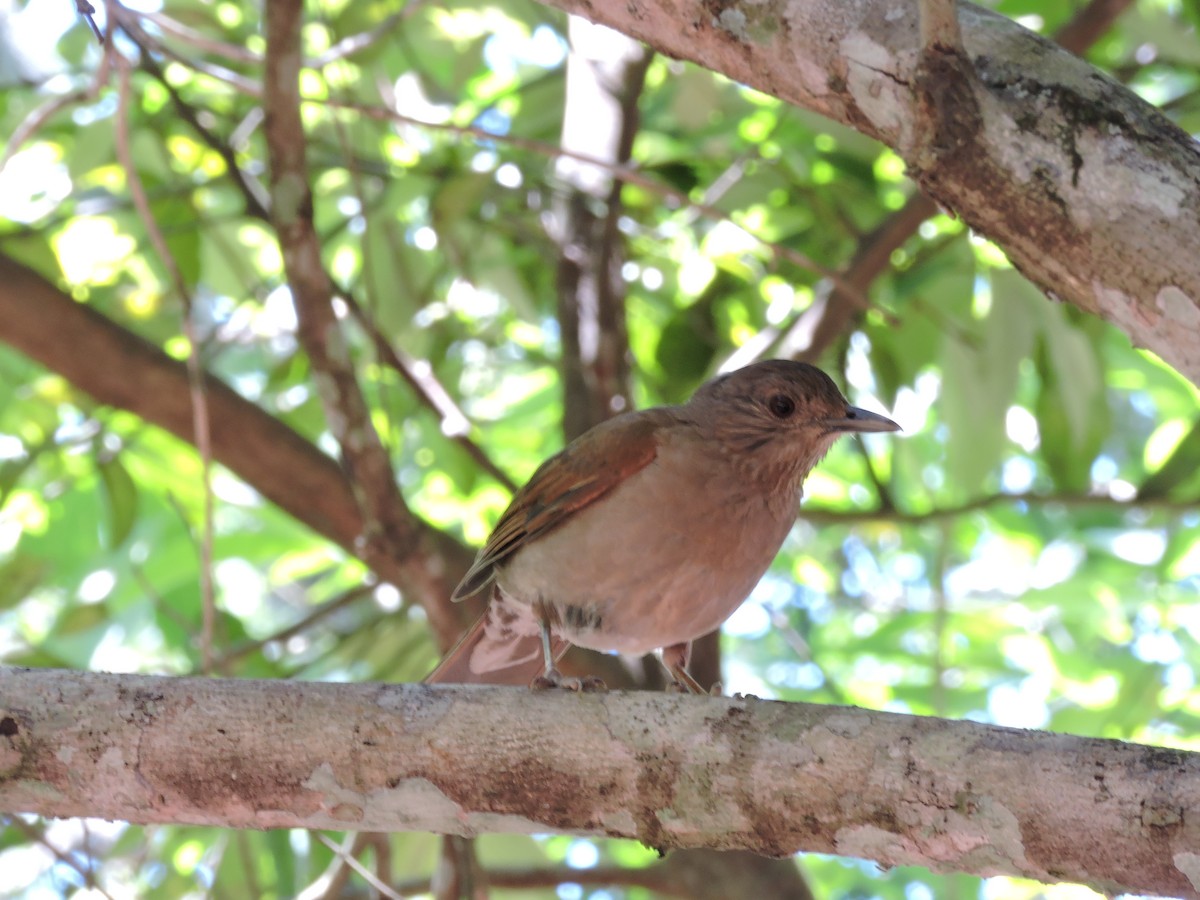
415 372
118 368
84 867
827 320
88 12
817 516
605 75
1089 24
681 199
420 377
389 529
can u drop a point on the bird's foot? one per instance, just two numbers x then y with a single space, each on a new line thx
691 686
553 679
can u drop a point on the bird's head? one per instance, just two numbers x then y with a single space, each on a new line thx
778 418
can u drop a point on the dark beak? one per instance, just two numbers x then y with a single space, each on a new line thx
861 420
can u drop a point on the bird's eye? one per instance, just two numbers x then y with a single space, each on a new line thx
781 406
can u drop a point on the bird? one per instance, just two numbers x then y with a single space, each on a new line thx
650 529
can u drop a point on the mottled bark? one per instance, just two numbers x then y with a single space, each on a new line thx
671 771
1092 193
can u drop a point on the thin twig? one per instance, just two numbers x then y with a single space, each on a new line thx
37 119
627 174
358 867
818 516
321 611
38 836
416 373
253 194
390 532
356 43
200 418
201 41
658 877
88 12
128 22
419 375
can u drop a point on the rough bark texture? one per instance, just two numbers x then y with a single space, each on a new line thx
671 771
1092 193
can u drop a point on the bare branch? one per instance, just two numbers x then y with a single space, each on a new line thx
819 516
670 771
389 529
419 375
121 369
88 12
832 313
1080 203
319 613
1090 23
347 857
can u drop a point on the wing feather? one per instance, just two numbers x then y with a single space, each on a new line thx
587 469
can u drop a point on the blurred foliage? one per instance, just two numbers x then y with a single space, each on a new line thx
991 564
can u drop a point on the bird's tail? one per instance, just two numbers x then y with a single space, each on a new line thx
492 654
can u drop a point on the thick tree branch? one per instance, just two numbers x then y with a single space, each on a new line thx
120 369
1092 193
670 771
833 311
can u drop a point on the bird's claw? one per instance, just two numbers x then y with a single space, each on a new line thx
552 679
681 687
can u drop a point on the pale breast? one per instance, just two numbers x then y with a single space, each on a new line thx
664 558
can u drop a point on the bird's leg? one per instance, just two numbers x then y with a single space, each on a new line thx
551 677
675 659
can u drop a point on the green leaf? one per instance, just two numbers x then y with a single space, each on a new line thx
120 499
979 384
1178 468
1072 405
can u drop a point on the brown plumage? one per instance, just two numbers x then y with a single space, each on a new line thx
650 529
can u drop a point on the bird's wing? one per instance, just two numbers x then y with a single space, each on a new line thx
587 469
